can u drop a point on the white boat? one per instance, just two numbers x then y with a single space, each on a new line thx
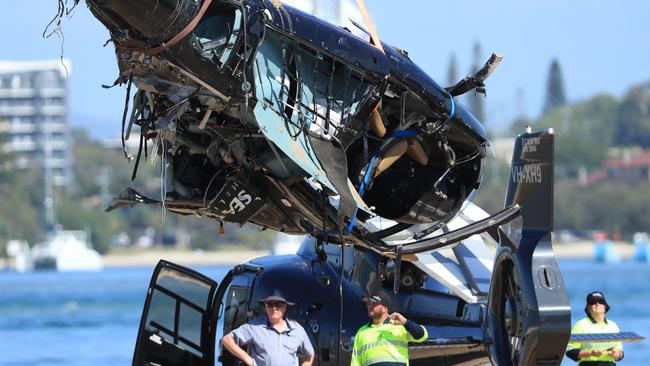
286 244
67 250
20 256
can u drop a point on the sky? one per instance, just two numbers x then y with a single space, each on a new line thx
602 47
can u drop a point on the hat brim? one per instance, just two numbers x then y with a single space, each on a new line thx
368 299
276 298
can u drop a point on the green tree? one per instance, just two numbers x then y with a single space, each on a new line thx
555 94
476 100
584 132
519 124
18 214
492 192
452 71
75 214
92 160
7 168
20 196
633 122
615 207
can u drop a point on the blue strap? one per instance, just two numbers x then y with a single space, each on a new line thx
402 133
452 110
362 188
366 176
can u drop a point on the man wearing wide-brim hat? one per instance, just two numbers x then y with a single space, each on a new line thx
595 354
273 339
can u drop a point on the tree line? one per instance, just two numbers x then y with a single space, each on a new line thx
100 173
587 133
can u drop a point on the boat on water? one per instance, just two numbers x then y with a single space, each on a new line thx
20 256
67 250
286 244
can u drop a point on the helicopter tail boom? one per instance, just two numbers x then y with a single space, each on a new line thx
528 319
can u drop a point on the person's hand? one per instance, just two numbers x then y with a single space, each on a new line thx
614 353
596 352
249 361
397 318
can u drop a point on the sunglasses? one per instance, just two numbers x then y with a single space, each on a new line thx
273 304
598 302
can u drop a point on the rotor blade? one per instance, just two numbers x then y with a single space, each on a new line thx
607 337
371 26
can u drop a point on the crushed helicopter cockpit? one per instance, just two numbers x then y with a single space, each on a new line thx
265 115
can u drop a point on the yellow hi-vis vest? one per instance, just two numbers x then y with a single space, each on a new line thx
588 326
382 343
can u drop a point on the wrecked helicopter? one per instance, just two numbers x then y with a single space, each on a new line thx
266 115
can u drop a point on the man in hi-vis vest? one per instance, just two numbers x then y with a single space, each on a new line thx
595 354
384 340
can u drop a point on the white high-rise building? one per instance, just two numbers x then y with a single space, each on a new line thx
34 115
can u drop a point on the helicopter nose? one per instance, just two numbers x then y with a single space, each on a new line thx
152 21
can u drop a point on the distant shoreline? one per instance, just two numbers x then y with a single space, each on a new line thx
585 249
188 257
150 257
573 250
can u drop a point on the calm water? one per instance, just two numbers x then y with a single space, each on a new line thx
49 318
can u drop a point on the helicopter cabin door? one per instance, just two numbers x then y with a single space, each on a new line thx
178 323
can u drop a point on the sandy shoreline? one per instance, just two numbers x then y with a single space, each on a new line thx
144 258
230 257
575 250
585 250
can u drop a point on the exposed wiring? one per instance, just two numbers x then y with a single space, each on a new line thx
469 157
246 85
207 189
163 180
63 10
340 288
124 113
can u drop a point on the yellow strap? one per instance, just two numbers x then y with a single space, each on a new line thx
371 26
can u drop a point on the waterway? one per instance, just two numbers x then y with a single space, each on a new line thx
49 318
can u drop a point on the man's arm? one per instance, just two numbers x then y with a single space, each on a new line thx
578 354
573 354
573 349
229 342
417 332
306 348
307 362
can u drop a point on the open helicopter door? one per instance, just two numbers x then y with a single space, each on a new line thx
178 324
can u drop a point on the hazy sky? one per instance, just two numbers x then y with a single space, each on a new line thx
602 47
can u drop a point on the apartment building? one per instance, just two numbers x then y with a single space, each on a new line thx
34 116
